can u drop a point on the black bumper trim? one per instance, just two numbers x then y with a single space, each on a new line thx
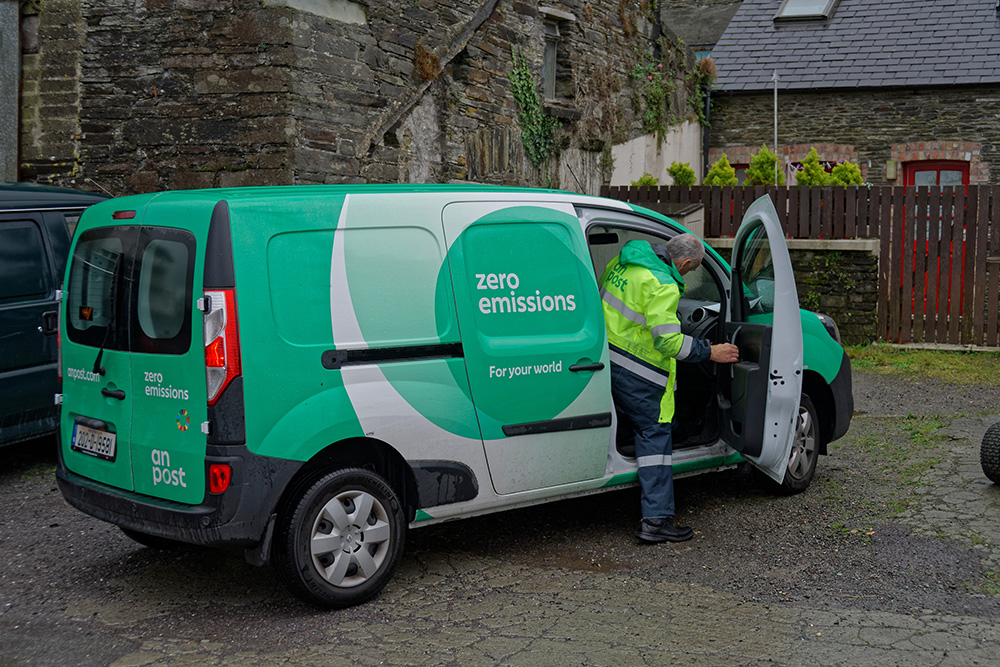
237 517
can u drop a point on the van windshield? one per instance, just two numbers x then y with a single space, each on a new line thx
130 288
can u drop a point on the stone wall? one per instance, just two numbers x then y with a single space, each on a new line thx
51 41
215 93
842 284
873 127
10 88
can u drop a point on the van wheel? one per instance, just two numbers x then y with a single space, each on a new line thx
151 541
805 450
989 453
340 541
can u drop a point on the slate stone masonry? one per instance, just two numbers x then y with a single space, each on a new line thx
878 126
175 94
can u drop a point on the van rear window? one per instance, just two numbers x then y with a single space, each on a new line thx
131 288
92 283
162 296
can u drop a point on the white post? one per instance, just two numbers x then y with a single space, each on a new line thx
775 79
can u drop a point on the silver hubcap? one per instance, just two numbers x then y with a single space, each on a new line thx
804 447
350 538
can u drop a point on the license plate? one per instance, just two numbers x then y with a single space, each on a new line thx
94 442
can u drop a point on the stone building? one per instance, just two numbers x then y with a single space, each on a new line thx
909 89
143 95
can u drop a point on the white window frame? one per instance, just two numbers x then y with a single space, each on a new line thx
787 11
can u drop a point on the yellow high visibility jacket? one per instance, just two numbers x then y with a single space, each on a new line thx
640 294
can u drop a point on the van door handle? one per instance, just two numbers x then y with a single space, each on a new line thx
114 393
50 323
586 367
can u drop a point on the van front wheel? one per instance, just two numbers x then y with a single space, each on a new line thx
805 449
341 539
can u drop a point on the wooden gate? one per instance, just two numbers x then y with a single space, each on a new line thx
939 266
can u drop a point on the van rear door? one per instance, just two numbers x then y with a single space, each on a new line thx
135 392
168 359
534 341
760 411
97 377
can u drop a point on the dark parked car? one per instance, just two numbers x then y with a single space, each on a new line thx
36 225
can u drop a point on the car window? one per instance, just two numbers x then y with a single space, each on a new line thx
163 300
162 294
132 289
606 242
22 262
93 282
72 219
757 272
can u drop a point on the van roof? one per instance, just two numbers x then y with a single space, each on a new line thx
35 195
271 191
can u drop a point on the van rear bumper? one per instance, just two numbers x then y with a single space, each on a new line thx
237 518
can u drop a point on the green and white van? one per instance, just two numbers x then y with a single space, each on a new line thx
305 372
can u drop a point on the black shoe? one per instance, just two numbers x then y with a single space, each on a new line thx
663 530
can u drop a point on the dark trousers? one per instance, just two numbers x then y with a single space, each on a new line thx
640 399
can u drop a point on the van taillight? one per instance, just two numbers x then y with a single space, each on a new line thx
219 476
222 342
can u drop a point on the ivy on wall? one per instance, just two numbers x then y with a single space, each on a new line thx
654 88
664 83
538 130
670 77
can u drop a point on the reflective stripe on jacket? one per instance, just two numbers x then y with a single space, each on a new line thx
640 294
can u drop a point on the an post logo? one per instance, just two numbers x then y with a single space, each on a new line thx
163 473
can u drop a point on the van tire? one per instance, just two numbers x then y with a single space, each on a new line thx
805 449
805 452
333 574
151 541
989 453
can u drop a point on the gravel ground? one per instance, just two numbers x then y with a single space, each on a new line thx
891 557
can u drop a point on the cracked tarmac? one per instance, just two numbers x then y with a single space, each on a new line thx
890 558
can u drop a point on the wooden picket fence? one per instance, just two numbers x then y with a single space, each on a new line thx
939 247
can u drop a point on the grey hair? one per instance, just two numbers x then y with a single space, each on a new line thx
686 246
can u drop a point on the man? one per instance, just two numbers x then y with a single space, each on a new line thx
640 289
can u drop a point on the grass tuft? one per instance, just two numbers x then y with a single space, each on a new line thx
958 366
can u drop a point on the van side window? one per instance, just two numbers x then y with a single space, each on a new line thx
757 273
22 262
606 242
71 221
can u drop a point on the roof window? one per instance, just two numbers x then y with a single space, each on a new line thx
805 10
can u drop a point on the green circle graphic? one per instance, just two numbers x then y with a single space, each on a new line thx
537 320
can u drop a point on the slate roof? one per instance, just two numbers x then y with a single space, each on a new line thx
866 44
